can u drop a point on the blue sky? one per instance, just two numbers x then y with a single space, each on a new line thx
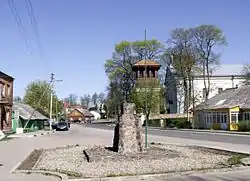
77 36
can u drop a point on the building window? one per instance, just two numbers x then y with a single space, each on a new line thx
214 118
218 120
220 90
225 118
3 91
234 117
246 116
8 90
204 93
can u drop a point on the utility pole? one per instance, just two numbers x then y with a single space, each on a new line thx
56 112
52 80
146 101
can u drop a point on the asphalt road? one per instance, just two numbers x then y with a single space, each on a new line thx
217 137
84 135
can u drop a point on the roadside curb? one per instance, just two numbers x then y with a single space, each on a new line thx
31 135
64 177
155 176
46 173
204 131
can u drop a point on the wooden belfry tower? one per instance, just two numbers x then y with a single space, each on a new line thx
146 76
146 69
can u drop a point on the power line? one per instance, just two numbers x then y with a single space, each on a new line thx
33 21
19 24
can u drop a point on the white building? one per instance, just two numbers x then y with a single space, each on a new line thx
97 115
227 76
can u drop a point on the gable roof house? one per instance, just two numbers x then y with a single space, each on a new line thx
79 115
225 109
27 117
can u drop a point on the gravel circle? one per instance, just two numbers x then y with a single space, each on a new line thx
103 162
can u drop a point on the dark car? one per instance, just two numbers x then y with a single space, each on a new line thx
54 125
62 126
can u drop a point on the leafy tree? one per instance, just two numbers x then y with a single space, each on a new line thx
208 39
147 100
114 100
126 54
37 95
72 99
149 49
85 100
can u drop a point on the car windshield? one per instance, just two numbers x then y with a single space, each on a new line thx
62 124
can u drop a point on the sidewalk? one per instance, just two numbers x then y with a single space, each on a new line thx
31 134
14 151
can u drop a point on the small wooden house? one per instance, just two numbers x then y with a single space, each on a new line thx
26 118
225 110
80 115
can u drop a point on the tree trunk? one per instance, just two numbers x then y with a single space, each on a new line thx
208 80
189 89
185 95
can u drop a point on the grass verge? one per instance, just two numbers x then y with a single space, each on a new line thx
31 160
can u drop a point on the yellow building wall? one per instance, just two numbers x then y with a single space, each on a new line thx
234 125
235 109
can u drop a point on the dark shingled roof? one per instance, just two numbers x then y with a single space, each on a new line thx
229 98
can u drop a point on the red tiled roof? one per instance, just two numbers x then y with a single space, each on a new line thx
147 62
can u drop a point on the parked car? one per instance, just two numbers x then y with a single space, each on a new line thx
68 122
62 126
54 125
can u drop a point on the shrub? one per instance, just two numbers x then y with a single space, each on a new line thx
216 126
243 126
183 124
154 123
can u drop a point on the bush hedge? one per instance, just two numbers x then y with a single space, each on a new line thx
244 126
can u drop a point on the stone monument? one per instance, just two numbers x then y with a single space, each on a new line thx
127 134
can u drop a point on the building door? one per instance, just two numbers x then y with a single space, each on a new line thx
3 117
224 121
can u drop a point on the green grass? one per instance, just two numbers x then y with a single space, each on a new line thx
236 159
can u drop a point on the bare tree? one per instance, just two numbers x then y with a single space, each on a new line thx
207 39
184 60
246 73
85 100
